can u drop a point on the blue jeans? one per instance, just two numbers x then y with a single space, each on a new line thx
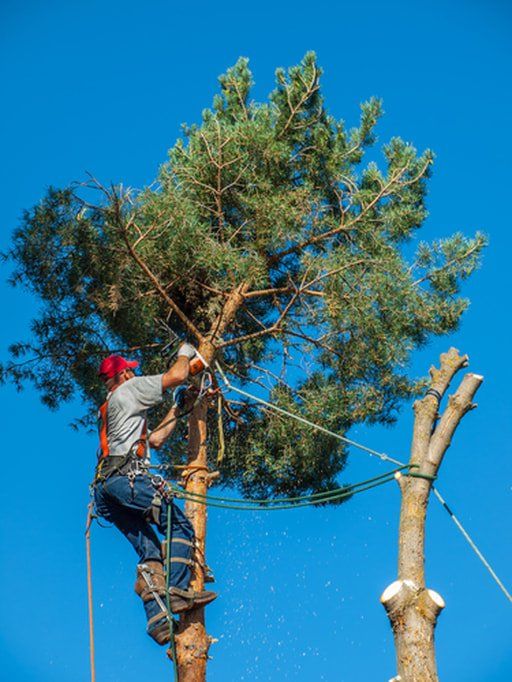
126 507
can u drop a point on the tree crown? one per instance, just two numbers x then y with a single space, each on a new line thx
270 244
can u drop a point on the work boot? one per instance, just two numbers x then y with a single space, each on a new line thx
150 586
185 600
150 580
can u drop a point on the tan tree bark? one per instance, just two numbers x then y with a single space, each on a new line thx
192 640
411 607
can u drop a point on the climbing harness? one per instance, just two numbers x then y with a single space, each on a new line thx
104 451
132 464
153 513
135 462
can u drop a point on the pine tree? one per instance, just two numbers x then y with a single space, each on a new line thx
270 244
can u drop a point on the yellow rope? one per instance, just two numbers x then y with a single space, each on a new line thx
220 427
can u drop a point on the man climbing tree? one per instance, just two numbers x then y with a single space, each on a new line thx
128 496
280 256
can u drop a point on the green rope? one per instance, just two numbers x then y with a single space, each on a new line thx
417 474
241 507
279 502
167 587
275 504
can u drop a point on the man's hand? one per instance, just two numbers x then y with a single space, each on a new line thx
186 350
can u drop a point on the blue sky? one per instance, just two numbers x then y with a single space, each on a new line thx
104 87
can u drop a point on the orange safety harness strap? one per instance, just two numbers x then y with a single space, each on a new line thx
141 445
104 450
104 446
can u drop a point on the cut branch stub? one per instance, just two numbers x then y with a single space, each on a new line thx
402 594
413 613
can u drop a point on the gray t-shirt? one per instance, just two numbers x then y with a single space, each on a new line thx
126 413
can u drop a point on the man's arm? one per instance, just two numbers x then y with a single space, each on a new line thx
162 432
179 371
175 375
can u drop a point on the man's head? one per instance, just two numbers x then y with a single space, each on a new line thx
115 370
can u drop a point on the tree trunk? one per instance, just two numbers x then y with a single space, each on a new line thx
192 641
412 608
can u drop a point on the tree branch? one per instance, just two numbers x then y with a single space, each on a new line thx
313 86
227 314
426 408
459 404
459 259
189 325
342 227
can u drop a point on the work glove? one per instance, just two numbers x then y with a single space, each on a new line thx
186 350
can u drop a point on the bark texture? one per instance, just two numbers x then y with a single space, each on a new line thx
192 640
412 608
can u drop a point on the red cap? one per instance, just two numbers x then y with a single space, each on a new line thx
113 365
